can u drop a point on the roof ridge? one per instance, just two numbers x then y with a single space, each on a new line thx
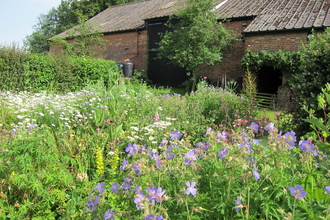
130 3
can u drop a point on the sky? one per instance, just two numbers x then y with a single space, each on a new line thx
17 18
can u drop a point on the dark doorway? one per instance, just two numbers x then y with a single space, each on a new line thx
269 79
160 72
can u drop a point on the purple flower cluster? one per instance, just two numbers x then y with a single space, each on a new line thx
153 194
223 152
254 127
124 164
270 128
190 157
290 138
109 214
94 200
131 149
153 217
307 146
222 136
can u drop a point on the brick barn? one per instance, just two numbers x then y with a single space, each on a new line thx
132 31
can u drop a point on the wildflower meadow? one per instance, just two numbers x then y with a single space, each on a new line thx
133 152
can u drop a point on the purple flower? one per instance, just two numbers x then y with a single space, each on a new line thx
223 153
297 192
109 214
159 194
127 183
90 205
238 204
290 138
153 156
222 136
131 149
151 193
254 127
169 155
307 146
255 173
327 189
137 189
163 143
124 164
114 187
270 128
245 145
100 187
153 217
203 145
136 168
175 135
139 200
190 157
158 164
191 188
209 129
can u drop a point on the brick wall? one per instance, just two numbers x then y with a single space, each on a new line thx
272 41
127 45
230 64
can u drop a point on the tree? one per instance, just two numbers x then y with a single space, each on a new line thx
198 38
66 15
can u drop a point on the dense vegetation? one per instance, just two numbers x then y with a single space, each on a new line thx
68 14
20 71
307 71
132 152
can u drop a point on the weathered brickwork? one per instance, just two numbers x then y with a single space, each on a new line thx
127 45
274 41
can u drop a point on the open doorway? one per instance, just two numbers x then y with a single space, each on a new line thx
269 79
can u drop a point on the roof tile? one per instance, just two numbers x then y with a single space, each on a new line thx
270 15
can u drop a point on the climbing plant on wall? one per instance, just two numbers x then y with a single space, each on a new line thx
283 60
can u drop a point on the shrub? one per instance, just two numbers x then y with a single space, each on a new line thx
36 72
39 72
12 58
89 70
313 74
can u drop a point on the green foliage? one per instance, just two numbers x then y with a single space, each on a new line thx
39 72
65 16
198 38
87 40
321 125
36 72
90 70
12 58
313 74
283 60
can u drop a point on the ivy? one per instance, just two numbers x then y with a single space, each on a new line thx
284 60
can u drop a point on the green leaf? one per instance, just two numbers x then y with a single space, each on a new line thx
319 124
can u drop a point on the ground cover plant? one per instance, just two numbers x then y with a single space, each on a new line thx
133 152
